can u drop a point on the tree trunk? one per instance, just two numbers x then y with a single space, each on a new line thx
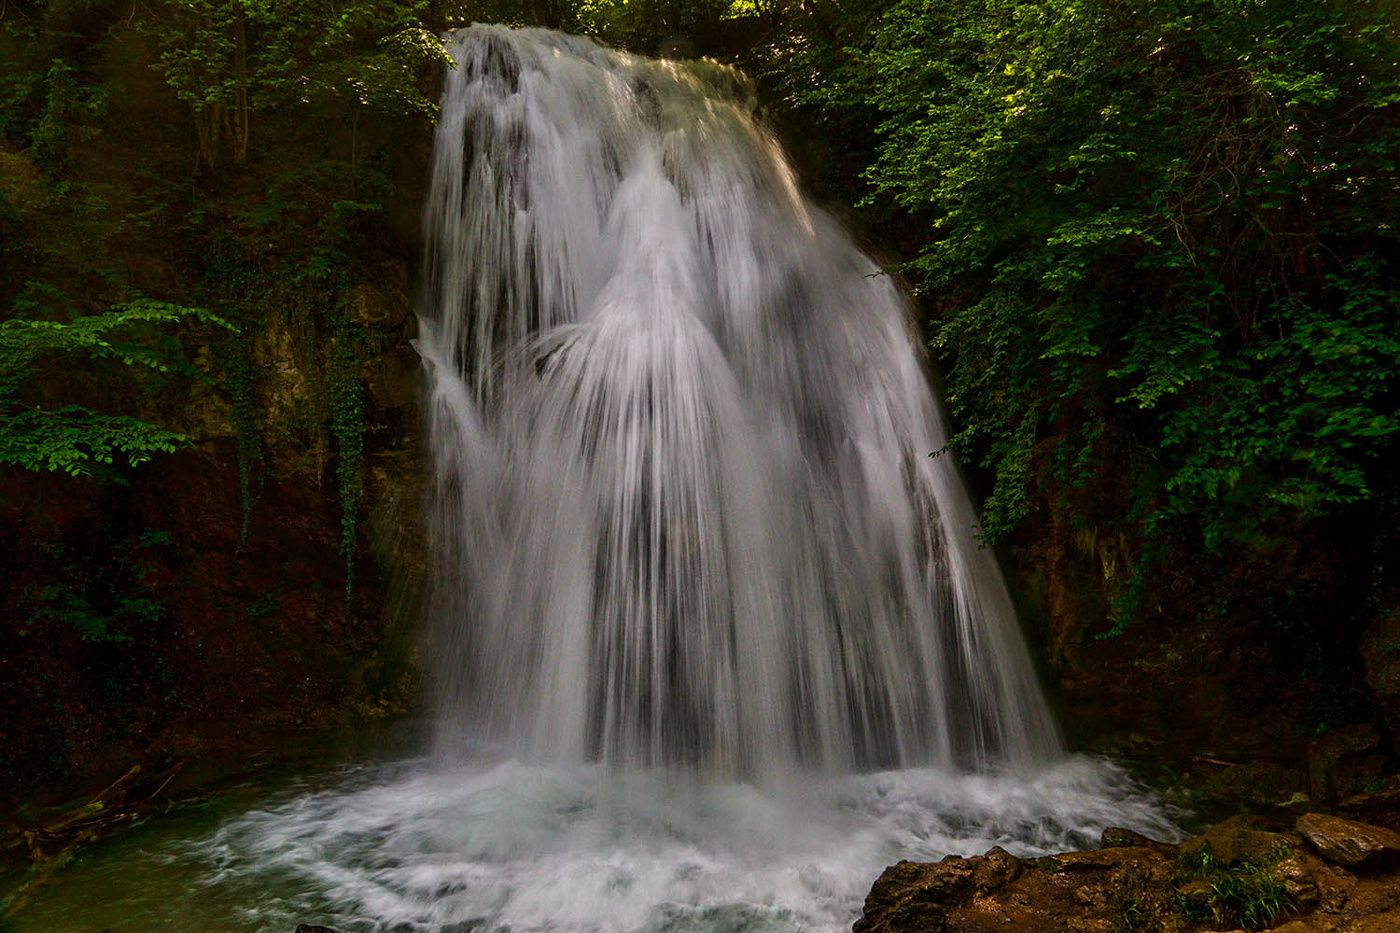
240 64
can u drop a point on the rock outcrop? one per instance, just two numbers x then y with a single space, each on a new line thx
1357 846
1317 874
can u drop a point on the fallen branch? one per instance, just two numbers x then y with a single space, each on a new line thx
105 812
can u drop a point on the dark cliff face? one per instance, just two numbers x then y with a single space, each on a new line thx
198 603
1215 677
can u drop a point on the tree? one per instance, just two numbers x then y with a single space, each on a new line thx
1160 244
231 58
68 437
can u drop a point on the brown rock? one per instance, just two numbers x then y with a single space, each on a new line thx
1299 883
1350 844
20 180
1196 892
944 882
390 378
1095 859
1115 837
994 870
1387 922
911 897
1380 651
288 366
1239 839
371 305
1343 760
1131 886
1257 781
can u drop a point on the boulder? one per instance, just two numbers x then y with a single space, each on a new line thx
383 304
911 895
1131 885
1357 846
1239 839
391 378
995 869
1298 881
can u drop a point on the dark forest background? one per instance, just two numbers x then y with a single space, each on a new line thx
1153 246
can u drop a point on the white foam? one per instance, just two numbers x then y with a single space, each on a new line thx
581 850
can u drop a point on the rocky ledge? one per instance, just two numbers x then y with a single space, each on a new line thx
1315 873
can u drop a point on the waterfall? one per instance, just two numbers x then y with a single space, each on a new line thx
714 643
685 506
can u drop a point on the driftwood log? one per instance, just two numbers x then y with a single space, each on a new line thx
51 844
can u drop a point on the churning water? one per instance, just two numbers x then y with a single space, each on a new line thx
420 847
713 639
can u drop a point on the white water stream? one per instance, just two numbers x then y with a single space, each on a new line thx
713 640
685 502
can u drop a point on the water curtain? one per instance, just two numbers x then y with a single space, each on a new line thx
686 508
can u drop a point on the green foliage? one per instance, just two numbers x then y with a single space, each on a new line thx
228 283
52 137
92 382
229 59
638 25
1247 894
22 75
71 438
112 607
236 356
1130 917
642 24
300 292
1162 243
348 427
58 604
344 389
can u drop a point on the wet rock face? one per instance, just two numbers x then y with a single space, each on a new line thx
915 897
391 377
1241 839
1380 653
1320 874
1357 846
232 546
1342 759
1116 838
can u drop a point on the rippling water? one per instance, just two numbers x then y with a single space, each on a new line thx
412 846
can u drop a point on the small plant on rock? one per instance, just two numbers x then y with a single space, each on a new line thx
1246 894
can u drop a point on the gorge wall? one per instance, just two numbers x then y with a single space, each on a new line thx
198 604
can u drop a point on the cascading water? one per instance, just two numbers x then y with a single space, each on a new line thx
685 499
714 642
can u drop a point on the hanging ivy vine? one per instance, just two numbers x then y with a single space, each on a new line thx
346 403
